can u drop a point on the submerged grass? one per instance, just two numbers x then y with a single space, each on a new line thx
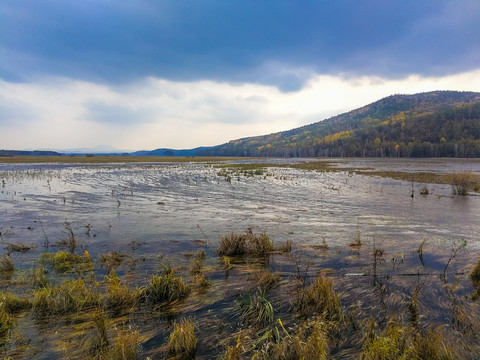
255 308
309 343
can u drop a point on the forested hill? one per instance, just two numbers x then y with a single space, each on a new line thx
439 123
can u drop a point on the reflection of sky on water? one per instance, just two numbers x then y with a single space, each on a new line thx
183 202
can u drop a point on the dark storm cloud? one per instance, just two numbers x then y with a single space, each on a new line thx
270 42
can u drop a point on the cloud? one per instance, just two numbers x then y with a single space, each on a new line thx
152 113
277 44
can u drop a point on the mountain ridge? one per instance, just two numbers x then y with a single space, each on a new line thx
436 123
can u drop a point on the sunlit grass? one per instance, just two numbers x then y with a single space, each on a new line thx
182 343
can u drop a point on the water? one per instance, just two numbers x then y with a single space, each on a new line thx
155 213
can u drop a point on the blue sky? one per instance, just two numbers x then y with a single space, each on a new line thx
148 74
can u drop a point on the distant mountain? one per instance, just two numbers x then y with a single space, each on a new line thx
29 153
438 123
169 152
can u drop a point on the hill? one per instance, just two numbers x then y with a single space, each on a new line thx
9 153
169 152
433 124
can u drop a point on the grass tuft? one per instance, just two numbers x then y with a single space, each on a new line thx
182 343
118 296
320 297
245 244
6 264
67 298
12 304
164 287
63 261
255 308
127 346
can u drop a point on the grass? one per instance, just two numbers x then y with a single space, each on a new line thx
117 296
6 265
7 323
463 182
63 261
400 342
266 280
71 296
111 260
12 304
475 278
248 244
319 297
309 343
182 343
165 287
126 346
255 309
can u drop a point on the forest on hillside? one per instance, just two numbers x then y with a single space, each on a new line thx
391 127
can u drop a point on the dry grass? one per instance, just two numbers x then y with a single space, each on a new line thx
320 297
255 308
165 287
245 244
127 346
6 264
63 261
11 303
118 297
266 280
67 298
399 342
475 278
463 182
309 343
182 343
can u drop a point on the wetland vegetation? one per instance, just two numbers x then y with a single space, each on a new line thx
251 277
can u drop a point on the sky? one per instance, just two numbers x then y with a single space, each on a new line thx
140 75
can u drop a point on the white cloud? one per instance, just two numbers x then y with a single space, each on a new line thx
152 113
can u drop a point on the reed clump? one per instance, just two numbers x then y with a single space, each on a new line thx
246 244
309 343
463 182
182 343
111 260
319 297
12 304
118 296
255 308
7 323
400 342
69 297
266 280
475 278
165 287
63 261
6 265
126 346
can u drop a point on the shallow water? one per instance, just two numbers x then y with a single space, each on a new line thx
163 212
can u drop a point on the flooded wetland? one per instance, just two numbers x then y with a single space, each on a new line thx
241 259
